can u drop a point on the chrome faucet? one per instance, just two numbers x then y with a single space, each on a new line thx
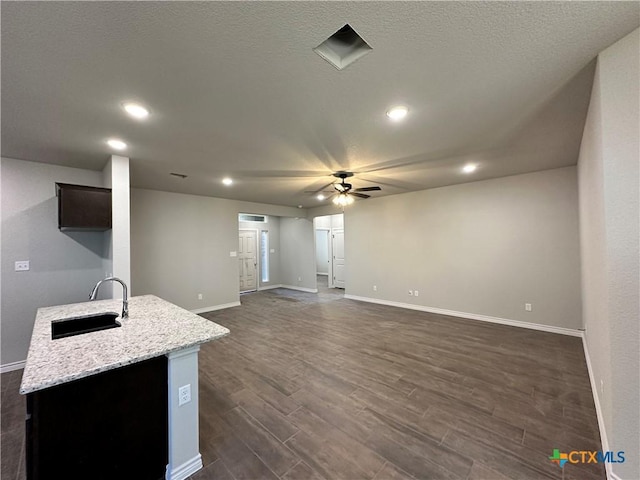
125 301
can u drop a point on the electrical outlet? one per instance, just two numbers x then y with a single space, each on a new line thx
411 293
527 307
199 296
22 266
233 254
299 279
375 288
416 293
184 394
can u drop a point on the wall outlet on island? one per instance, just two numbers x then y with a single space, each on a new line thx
184 394
199 296
527 307
299 279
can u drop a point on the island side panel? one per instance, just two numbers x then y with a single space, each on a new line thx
184 447
110 425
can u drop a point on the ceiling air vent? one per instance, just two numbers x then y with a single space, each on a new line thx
343 47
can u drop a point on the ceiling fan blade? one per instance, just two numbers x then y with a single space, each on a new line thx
281 174
367 189
321 189
359 195
392 183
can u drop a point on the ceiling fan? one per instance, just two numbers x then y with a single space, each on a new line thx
346 192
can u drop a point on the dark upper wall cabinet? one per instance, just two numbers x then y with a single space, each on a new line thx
83 208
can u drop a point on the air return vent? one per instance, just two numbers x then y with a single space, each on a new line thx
251 217
343 48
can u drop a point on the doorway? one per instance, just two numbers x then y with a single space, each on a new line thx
323 249
248 260
330 252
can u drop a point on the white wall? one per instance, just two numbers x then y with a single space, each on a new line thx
610 235
64 265
181 244
484 248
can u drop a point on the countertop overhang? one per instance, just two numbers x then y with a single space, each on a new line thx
155 327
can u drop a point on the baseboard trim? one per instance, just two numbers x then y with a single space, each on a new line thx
471 316
269 287
216 307
185 470
10 367
301 289
596 400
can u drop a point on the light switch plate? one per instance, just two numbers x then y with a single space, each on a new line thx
22 266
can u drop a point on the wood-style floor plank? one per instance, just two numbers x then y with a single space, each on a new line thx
314 386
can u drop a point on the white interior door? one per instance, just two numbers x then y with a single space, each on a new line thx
248 259
337 247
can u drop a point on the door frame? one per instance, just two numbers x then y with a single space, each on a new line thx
258 266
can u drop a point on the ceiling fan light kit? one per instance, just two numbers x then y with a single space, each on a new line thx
343 199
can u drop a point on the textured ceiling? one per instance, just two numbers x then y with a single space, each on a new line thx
235 89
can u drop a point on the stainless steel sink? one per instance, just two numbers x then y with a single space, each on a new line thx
69 327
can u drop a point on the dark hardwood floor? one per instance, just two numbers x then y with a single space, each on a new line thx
313 386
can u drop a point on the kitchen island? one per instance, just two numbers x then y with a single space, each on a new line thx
89 376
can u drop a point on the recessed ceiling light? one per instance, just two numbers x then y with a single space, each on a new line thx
397 113
320 196
227 181
116 144
469 168
136 110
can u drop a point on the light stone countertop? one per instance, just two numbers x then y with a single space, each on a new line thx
155 327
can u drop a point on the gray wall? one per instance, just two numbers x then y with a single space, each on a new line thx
180 246
64 266
609 233
298 255
484 248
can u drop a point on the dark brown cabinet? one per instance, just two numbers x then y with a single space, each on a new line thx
83 208
112 425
